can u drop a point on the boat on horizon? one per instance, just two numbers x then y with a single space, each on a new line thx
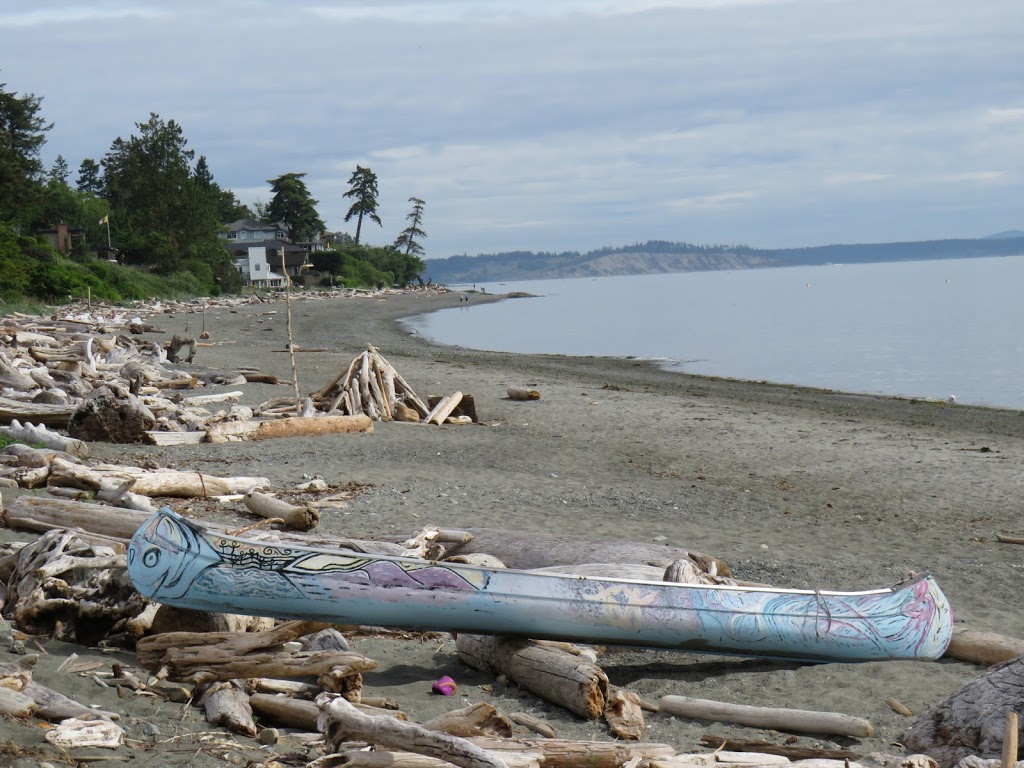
174 561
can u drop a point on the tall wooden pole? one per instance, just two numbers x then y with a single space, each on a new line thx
291 345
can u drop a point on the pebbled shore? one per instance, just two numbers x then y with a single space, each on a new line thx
791 486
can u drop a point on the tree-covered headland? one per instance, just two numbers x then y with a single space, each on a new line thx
144 219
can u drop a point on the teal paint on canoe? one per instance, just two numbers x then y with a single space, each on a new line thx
176 562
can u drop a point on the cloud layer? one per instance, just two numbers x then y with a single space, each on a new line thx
564 124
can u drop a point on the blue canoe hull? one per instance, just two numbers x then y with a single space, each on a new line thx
175 562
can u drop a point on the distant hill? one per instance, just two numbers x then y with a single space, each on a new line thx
657 256
1007 235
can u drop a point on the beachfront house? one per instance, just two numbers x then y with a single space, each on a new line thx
258 248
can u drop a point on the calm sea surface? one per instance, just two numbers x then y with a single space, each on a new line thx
926 329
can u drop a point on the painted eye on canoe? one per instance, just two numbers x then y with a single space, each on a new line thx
151 558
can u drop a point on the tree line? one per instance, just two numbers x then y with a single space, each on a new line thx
157 206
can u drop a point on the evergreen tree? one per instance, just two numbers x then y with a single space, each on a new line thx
60 171
362 187
90 177
293 206
407 242
159 211
22 135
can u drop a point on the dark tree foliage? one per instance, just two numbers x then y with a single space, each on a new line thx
293 206
22 136
90 177
363 188
158 208
408 238
60 171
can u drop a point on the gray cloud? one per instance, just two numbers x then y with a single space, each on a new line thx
565 124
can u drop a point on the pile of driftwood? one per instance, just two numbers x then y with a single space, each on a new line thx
371 386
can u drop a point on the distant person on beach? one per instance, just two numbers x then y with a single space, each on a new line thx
464 298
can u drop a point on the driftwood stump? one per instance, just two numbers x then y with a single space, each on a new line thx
972 720
106 418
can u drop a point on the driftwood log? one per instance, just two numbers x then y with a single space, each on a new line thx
38 434
299 426
341 722
480 719
227 705
520 393
564 753
972 720
569 681
201 658
528 550
986 648
798 720
303 518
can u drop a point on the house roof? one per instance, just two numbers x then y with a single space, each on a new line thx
251 225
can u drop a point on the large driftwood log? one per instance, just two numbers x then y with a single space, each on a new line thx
36 413
556 676
799 720
162 482
341 722
527 550
971 721
792 751
986 648
42 513
40 435
312 426
303 518
285 711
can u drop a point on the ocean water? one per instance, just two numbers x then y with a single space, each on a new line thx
925 329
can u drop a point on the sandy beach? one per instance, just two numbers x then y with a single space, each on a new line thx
789 486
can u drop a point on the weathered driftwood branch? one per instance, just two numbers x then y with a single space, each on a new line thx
341 722
163 482
972 720
227 656
986 648
556 676
443 409
480 719
792 751
624 716
564 753
226 704
298 518
799 720
535 724
41 701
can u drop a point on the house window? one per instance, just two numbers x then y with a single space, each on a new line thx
243 234
232 235
258 267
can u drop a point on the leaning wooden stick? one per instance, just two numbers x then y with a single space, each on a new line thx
799 720
1009 757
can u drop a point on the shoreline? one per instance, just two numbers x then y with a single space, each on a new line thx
790 486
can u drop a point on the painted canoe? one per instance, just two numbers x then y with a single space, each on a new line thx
173 561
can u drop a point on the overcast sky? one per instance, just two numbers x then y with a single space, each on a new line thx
563 124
